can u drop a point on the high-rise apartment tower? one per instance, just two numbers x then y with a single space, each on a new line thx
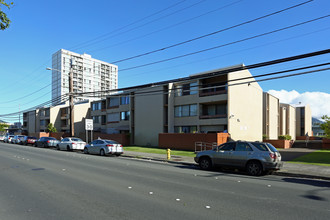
89 75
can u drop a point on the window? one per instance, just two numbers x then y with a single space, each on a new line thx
96 119
42 123
96 106
260 146
113 117
124 100
114 101
186 89
103 119
220 109
185 110
124 116
241 146
185 129
227 146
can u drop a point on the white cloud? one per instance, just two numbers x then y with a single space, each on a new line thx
318 101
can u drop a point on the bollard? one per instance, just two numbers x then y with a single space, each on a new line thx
168 154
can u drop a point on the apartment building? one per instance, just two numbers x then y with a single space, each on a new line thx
214 101
89 75
287 120
303 121
271 116
37 120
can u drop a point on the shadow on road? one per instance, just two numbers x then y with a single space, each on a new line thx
311 194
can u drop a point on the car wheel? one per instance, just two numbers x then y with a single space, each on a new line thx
58 147
254 168
102 153
205 163
68 148
85 150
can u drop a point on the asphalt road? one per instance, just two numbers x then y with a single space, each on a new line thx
39 183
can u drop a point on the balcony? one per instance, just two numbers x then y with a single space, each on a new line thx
212 116
210 93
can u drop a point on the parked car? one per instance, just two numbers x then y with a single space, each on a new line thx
46 142
2 137
256 158
71 143
28 140
103 147
17 139
8 138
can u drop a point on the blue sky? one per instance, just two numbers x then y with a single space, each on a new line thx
112 30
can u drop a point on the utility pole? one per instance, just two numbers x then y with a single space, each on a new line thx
71 100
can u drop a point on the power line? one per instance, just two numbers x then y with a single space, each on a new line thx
142 25
230 53
130 24
161 91
221 72
165 28
213 33
227 44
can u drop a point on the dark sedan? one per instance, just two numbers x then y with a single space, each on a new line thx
46 142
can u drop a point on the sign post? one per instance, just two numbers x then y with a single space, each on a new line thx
89 127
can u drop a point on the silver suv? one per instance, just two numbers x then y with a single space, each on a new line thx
255 157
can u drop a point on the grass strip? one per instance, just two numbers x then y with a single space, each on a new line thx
320 157
156 150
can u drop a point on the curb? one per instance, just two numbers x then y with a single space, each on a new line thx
305 176
277 173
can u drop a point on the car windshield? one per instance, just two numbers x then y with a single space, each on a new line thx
76 139
271 147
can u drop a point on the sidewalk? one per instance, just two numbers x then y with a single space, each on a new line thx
289 169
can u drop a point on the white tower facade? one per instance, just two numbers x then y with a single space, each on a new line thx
89 75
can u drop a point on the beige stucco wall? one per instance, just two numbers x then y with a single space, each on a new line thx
149 120
308 120
81 112
291 122
283 120
270 116
245 105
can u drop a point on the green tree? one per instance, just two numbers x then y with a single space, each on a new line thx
51 128
326 125
3 126
4 20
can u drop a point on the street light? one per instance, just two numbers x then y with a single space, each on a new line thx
70 98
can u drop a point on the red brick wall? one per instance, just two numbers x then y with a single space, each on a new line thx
285 144
187 141
326 144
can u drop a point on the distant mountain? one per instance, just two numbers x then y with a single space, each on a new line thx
315 120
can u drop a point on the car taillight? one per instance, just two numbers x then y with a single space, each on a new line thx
48 141
120 145
74 143
109 145
272 155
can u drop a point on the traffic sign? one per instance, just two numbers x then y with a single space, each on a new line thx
89 124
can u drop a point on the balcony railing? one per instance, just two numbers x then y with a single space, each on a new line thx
212 116
201 94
